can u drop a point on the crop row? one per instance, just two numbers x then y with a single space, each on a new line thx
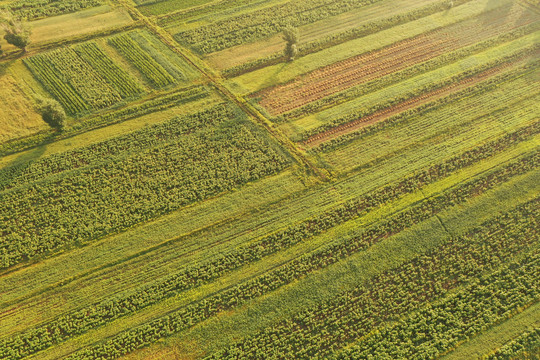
148 107
213 7
110 309
440 327
163 102
86 81
263 23
78 207
51 79
527 343
335 39
409 72
82 78
156 75
188 316
318 331
428 97
115 148
475 90
36 9
115 76
162 54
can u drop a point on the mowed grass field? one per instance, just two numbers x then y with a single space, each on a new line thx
375 198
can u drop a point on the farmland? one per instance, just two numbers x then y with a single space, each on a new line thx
371 192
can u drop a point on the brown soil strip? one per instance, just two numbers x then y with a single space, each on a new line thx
408 104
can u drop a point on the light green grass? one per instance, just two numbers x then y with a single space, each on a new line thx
447 129
221 331
17 114
284 72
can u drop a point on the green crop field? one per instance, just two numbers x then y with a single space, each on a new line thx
269 179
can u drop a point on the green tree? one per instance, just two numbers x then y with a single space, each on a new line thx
17 33
52 113
290 35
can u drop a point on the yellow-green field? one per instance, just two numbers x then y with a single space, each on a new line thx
376 197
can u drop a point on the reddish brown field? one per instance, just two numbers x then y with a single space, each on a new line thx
409 104
360 69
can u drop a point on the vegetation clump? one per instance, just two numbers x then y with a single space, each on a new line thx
17 33
52 113
290 35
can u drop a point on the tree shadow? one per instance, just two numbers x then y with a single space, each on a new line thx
12 171
272 79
